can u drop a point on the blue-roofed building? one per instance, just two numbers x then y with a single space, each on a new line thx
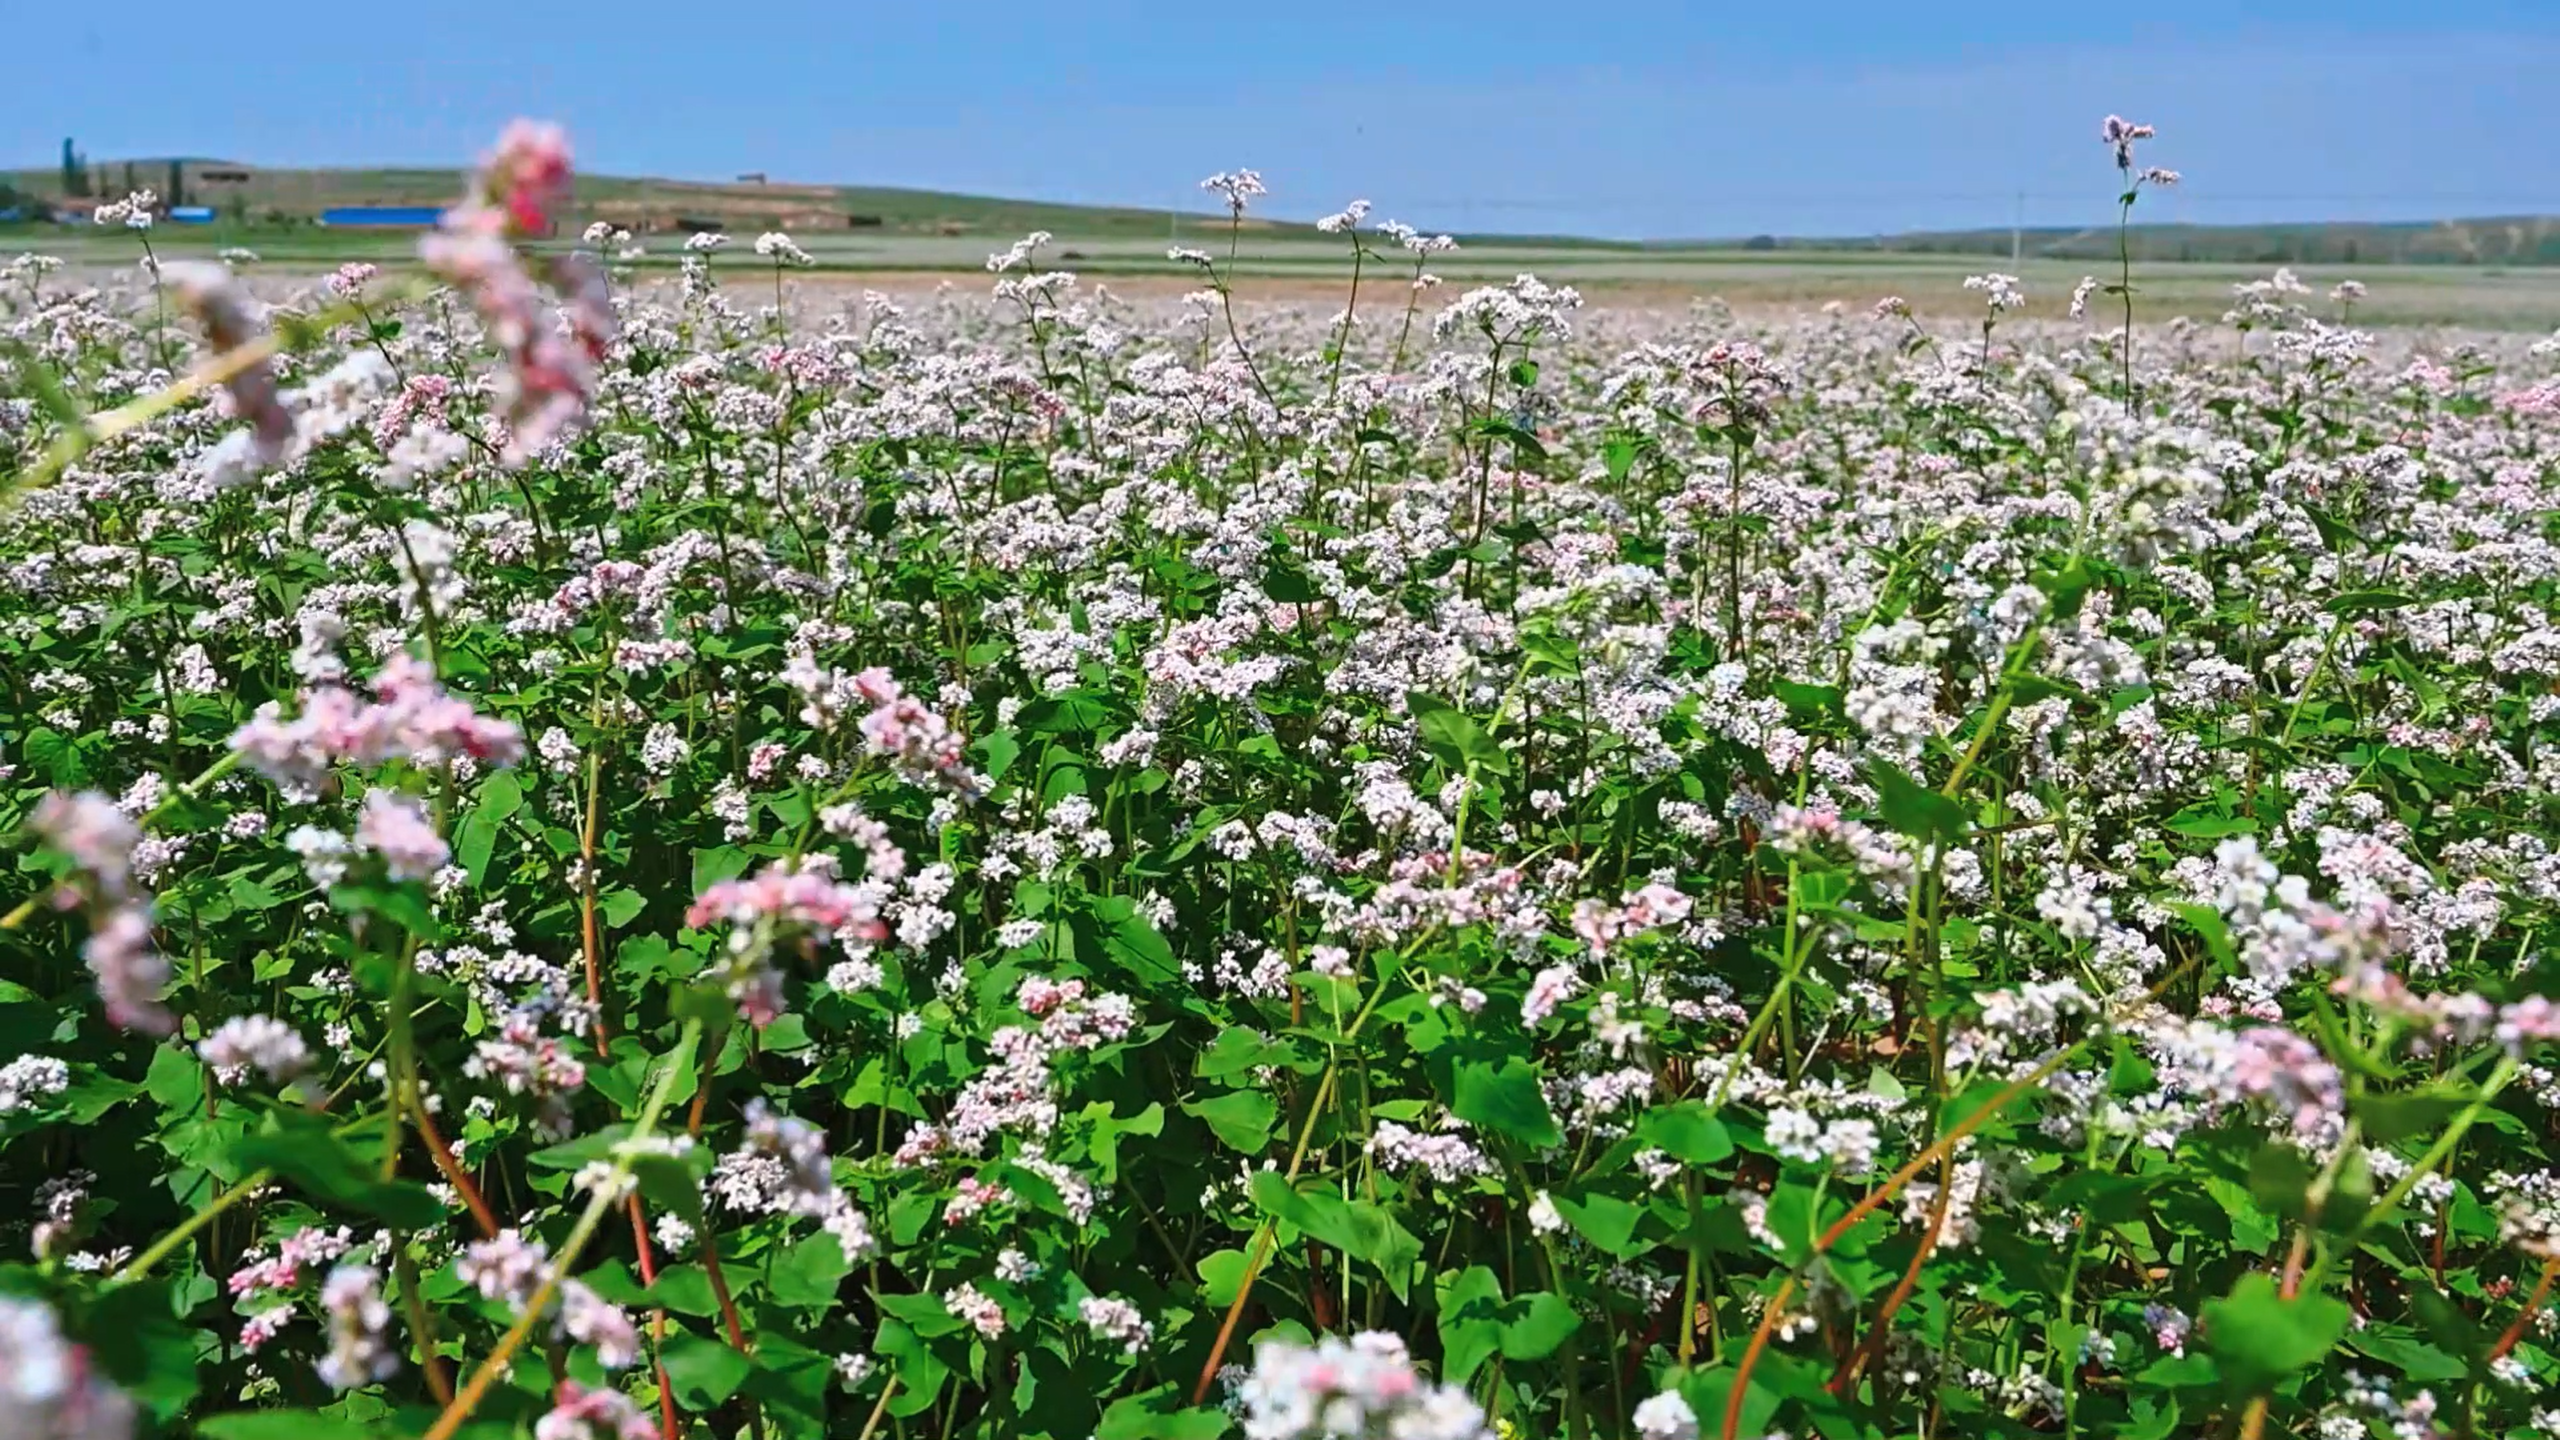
389 217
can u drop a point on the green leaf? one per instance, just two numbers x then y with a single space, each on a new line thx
1132 940
807 1274
2415 1359
1907 808
998 749
2357 602
925 1314
2152 1419
2035 689
2280 1180
1240 1051
1470 1321
1605 1221
1221 1275
1618 454
1357 1228
2198 822
1241 1118
619 907
283 1425
404 905
1686 1131
686 1289
1708 1391
2069 586
1455 737
300 1149
2208 923
2258 1337
1536 1325
249 894
1505 1099
2337 533
702 1372
501 795
718 863
1159 1414
1809 702
138 1340
2389 1118
1073 713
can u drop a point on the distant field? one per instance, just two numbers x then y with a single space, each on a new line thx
1317 269
287 199
915 235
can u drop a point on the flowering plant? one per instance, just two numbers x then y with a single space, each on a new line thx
616 860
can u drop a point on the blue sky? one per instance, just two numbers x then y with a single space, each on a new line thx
1631 119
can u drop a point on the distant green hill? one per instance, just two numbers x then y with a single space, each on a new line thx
291 196
2495 240
267 198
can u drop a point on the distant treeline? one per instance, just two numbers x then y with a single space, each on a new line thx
2501 240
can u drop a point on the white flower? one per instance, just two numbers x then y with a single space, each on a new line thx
1666 1416
1543 1217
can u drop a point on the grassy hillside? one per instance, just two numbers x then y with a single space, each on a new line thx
286 197
2495 240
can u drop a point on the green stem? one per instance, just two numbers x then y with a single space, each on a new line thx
141 1264
603 1200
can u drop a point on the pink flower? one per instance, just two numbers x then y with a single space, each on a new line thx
348 280
787 897
221 304
584 1414
396 827
130 974
413 718
1552 987
527 177
587 1318
2288 1072
518 193
95 833
971 1196
2119 134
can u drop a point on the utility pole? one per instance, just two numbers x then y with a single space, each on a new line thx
2018 232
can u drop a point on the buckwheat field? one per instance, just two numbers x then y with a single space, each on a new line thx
610 851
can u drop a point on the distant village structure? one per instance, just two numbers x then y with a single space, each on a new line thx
201 191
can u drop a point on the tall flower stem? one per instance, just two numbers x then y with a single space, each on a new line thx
508 1344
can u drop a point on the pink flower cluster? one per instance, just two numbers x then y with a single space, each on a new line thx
808 897
221 304
2118 134
783 898
524 1061
423 398
518 194
100 840
2288 1073
282 1270
1639 911
412 717
396 827
599 1414
972 1196
1068 1020
96 834
916 738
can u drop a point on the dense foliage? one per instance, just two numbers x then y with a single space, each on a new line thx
1072 868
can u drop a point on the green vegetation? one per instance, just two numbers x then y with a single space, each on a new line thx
2496 240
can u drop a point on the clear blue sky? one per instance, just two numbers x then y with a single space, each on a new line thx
1656 118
